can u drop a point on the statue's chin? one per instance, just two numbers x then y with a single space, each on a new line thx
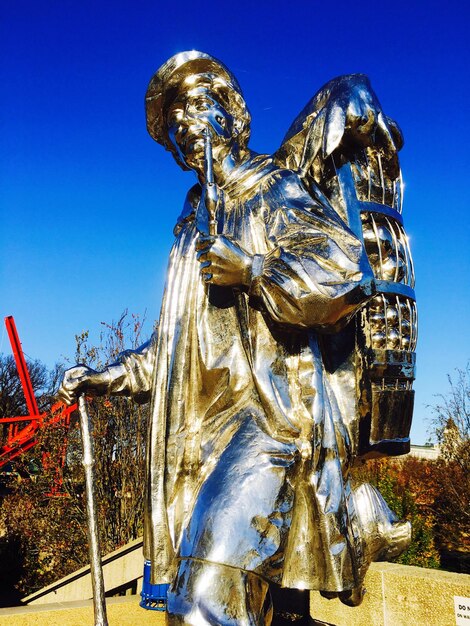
195 163
195 146
194 154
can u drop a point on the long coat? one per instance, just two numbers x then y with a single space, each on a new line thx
238 390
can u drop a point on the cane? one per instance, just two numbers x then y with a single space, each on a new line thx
99 603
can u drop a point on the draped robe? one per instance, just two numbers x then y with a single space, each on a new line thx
248 431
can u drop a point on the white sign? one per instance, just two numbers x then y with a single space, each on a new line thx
462 611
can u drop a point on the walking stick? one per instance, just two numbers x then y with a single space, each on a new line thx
99 603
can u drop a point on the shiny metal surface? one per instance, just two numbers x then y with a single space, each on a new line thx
344 146
210 194
97 581
297 360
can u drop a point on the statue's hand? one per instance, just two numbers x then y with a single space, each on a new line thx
223 262
82 379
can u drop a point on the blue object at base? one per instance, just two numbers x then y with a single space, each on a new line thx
153 596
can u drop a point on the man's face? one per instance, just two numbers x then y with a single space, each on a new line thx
188 117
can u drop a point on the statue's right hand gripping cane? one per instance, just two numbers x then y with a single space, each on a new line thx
223 261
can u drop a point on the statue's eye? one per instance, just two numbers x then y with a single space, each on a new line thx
201 104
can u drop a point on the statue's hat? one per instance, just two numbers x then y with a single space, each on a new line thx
166 82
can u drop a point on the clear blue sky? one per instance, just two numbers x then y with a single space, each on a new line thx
88 201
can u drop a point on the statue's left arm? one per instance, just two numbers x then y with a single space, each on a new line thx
130 375
317 273
133 372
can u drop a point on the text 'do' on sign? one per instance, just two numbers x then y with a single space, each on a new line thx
462 611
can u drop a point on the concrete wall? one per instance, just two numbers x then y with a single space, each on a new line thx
123 611
120 568
398 595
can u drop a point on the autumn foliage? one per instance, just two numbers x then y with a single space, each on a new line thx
434 495
405 485
42 516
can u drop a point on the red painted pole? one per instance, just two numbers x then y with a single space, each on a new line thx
21 366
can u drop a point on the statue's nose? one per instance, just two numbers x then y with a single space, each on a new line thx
196 126
191 126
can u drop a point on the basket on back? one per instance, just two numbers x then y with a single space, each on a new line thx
363 182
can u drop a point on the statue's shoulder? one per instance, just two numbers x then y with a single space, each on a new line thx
280 180
261 172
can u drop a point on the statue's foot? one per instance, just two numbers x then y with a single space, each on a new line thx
329 595
350 597
354 597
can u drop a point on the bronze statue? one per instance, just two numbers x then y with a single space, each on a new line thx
284 351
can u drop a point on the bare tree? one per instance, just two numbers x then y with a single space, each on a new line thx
120 431
50 532
450 423
44 382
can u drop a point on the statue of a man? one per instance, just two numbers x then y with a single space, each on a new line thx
249 447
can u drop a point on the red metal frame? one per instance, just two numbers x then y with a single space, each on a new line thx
21 366
19 440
